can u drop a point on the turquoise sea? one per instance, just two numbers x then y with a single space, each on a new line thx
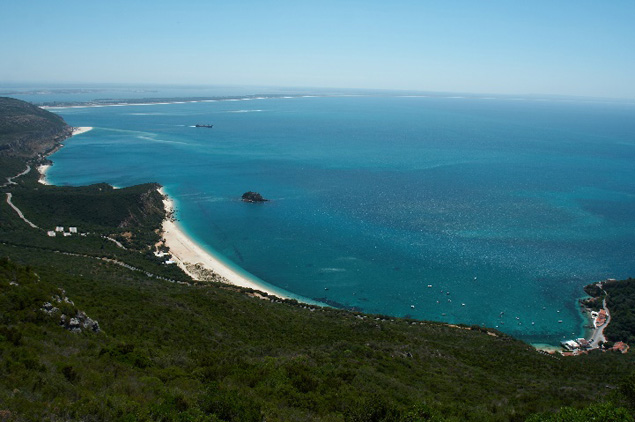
493 211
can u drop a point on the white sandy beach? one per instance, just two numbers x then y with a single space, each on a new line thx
187 253
44 167
549 348
42 170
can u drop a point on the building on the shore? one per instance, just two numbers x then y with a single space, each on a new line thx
51 233
59 229
620 346
584 343
570 345
600 319
577 346
72 229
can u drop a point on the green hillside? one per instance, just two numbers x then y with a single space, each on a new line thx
26 132
21 122
620 299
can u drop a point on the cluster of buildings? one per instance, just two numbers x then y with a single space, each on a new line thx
582 346
599 318
576 346
62 232
160 254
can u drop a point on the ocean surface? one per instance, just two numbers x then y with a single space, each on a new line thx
488 211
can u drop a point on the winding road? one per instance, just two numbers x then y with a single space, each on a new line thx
9 196
598 333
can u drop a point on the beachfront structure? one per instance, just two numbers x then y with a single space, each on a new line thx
584 343
600 319
570 345
620 346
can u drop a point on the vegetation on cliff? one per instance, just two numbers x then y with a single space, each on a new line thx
27 131
208 352
620 300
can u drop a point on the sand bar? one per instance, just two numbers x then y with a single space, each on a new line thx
81 129
187 254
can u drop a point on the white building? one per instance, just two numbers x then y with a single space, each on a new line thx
570 345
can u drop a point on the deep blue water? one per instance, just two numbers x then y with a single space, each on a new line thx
499 205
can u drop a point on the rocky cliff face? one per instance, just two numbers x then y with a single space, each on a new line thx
29 131
148 207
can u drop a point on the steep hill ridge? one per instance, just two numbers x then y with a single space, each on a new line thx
27 130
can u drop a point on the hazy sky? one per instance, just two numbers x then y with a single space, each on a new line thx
487 46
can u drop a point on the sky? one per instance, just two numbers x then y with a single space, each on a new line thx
581 48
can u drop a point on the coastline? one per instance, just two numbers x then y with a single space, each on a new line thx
250 285
43 168
193 259
202 265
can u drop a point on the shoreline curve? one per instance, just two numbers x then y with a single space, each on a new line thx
203 265
43 168
190 256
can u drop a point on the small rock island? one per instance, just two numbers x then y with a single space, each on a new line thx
253 197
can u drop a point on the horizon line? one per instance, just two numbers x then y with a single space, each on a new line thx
88 85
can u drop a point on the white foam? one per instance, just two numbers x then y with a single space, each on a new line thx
332 270
146 114
160 141
244 111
